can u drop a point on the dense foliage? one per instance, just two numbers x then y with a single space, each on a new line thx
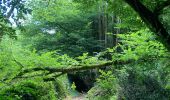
56 49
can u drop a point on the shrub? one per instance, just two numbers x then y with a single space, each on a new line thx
29 90
105 87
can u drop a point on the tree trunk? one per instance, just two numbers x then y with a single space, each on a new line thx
151 19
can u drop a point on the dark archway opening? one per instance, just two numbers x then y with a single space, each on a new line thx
81 84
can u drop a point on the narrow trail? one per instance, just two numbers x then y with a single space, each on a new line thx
80 97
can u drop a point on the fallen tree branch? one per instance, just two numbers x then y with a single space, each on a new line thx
53 78
64 69
71 69
55 72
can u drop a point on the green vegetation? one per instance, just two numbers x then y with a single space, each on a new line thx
104 49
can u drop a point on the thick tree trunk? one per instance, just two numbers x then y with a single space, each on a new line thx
151 19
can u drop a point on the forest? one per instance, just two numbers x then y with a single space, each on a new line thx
84 49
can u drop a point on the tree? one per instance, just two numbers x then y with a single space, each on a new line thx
11 11
137 6
151 18
140 53
8 8
73 29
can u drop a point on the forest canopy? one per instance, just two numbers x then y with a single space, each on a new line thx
84 49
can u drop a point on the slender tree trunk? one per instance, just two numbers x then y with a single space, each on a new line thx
105 24
99 24
113 31
118 21
105 30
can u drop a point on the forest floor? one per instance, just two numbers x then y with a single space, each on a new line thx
79 97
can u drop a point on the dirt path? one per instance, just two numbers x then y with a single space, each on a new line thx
80 97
